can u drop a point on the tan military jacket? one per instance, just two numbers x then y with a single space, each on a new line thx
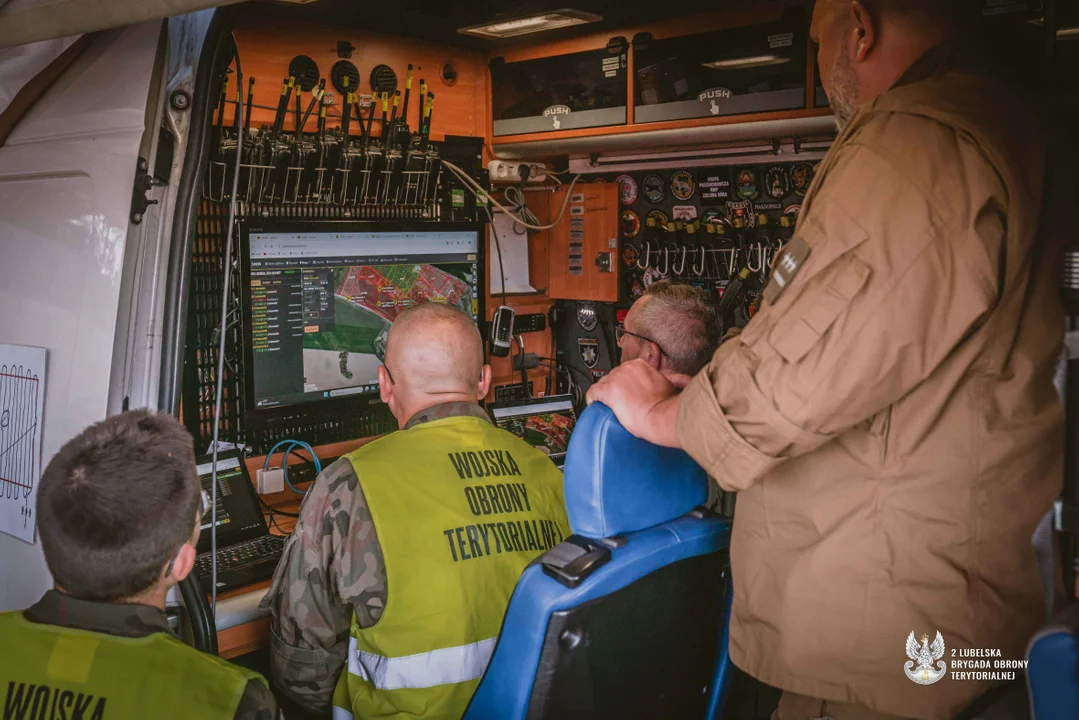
891 420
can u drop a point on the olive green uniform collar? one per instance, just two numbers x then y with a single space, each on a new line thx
123 620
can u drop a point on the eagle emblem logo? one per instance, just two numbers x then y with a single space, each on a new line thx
920 666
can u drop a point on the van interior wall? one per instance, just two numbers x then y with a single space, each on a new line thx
267 44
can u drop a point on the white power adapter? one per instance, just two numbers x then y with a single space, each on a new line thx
270 481
506 171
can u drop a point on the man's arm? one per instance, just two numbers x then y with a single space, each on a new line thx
886 296
257 703
331 567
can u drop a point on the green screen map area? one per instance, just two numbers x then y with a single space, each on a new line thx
348 310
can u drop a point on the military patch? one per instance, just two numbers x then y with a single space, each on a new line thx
589 348
742 209
792 210
776 182
787 265
652 275
682 185
597 375
660 217
630 223
746 184
636 287
684 212
654 188
802 177
627 189
713 216
587 317
630 256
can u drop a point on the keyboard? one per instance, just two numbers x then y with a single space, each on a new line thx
241 564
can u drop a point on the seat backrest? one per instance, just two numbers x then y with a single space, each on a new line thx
628 616
1053 668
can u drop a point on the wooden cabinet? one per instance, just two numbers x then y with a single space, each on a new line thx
583 249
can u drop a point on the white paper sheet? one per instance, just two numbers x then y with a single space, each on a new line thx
514 258
22 405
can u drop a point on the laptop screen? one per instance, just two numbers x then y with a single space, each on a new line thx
239 516
543 423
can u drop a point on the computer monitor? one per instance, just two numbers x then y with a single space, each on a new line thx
544 423
319 299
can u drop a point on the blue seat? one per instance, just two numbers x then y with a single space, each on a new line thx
628 617
1053 668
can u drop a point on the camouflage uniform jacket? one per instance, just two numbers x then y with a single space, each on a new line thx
332 567
135 621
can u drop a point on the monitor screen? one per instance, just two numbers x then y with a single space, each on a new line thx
543 423
320 298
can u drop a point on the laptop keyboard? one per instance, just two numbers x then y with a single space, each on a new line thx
235 557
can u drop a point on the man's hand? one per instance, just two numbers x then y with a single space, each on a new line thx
644 400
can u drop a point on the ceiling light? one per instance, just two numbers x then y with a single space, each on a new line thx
531 24
745 63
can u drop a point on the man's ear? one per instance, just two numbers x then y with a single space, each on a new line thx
653 356
863 32
485 382
385 388
182 565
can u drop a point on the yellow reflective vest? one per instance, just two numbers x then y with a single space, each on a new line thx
58 673
460 507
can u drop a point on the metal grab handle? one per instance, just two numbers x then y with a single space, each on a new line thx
666 262
699 272
760 259
681 269
647 255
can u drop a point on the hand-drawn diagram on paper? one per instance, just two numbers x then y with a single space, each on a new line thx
22 404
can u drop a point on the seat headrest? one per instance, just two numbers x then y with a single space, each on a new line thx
616 483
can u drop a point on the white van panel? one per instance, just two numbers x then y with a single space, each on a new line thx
66 176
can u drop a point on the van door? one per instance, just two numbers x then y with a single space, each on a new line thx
66 177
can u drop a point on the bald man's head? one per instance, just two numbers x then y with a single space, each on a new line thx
434 354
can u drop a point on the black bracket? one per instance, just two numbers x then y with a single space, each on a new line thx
344 49
574 559
143 183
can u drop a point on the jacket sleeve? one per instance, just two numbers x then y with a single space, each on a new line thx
904 267
332 566
257 702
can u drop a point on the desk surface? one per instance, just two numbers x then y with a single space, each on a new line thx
242 628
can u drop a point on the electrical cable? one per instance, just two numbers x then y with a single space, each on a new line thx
290 446
517 201
220 380
482 194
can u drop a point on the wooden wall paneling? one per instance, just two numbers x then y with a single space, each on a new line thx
600 215
267 45
242 639
502 371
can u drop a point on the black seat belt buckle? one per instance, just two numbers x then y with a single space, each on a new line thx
574 559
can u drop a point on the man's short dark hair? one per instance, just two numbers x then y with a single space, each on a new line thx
116 503
685 323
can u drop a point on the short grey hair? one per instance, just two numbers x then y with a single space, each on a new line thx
684 322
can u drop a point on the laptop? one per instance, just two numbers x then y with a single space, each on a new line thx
544 423
246 551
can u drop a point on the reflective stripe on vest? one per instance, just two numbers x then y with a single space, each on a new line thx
460 508
438 667
341 714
